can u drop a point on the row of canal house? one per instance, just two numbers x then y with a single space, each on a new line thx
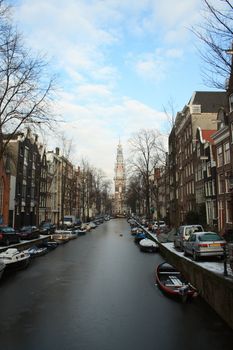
198 176
36 185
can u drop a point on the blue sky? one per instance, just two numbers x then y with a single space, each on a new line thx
119 63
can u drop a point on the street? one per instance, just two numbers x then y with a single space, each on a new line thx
98 292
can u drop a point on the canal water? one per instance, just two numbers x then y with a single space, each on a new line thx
98 292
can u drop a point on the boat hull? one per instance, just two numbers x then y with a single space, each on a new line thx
173 284
17 265
148 245
14 260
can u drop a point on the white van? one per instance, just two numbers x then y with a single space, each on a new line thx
68 221
183 233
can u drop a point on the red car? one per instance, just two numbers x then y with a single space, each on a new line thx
8 235
29 232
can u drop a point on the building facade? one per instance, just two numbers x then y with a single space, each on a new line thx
201 111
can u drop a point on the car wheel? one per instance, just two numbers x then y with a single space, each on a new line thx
7 242
195 256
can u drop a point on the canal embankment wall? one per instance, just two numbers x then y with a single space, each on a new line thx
27 244
215 288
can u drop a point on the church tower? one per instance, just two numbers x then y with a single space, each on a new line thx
120 184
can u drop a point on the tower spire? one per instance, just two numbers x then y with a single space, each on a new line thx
120 180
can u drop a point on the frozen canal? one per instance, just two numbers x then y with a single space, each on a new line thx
98 293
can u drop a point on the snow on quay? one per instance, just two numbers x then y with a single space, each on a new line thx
213 266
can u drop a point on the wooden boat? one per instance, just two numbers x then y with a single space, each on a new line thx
14 259
147 245
172 283
60 238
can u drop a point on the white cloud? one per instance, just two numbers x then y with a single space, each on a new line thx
93 91
95 46
96 128
155 66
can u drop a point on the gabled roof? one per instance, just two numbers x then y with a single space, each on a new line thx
207 135
210 101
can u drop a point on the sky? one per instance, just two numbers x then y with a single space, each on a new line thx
119 64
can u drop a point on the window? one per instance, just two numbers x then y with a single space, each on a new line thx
1 195
199 172
231 132
213 188
26 155
208 169
221 184
220 215
226 153
227 181
24 191
219 156
228 211
25 171
33 192
231 102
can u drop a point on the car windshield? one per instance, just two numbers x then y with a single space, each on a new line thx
191 230
45 225
208 237
25 228
7 230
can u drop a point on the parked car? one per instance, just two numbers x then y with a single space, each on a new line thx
8 235
158 224
183 233
29 232
201 244
70 221
47 228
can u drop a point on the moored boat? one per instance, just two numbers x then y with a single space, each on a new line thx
81 232
172 283
139 236
50 245
136 230
35 251
60 238
69 233
14 259
147 245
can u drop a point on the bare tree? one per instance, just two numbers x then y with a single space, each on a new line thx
135 194
146 153
216 33
170 113
25 87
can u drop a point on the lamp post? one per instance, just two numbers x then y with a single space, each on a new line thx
229 94
225 260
